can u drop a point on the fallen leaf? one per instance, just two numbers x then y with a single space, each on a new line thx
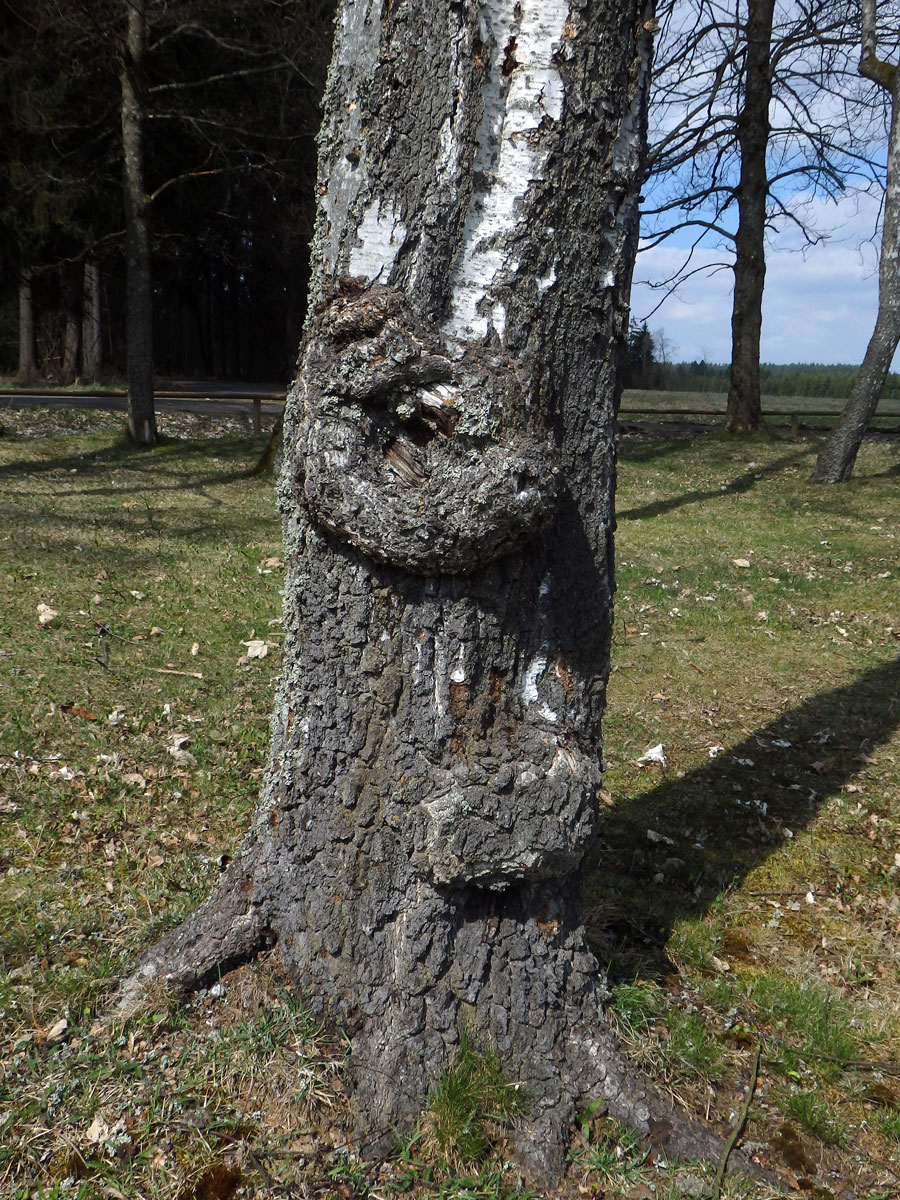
46 614
135 779
116 717
56 1033
653 754
155 631
195 649
78 710
256 648
744 563
183 758
659 838
138 595
97 1131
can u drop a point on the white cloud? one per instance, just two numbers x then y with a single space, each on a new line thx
819 303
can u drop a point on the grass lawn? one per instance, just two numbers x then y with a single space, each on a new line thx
778 409
746 892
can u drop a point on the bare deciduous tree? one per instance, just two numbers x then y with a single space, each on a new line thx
755 112
139 302
837 456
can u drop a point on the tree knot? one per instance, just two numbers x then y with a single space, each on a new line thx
437 464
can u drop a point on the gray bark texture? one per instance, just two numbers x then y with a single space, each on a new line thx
139 314
744 408
27 368
418 849
838 454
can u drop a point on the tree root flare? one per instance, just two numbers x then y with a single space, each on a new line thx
226 930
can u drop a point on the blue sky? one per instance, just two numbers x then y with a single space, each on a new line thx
819 303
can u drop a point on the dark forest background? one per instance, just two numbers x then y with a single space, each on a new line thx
230 97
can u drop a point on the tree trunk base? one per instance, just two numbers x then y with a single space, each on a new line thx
269 459
510 976
735 426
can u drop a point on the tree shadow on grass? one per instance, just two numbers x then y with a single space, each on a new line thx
671 851
644 446
742 483
155 468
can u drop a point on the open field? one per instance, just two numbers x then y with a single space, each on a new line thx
746 893
778 410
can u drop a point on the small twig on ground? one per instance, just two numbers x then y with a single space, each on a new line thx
863 1064
739 1128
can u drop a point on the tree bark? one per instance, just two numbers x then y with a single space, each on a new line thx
838 454
419 845
72 305
27 369
91 340
744 408
139 304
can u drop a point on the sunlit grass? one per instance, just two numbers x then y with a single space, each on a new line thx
763 910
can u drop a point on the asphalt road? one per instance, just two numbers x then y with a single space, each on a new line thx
219 401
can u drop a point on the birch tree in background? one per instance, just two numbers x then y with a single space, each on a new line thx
837 456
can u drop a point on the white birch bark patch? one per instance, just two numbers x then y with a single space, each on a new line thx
381 234
524 88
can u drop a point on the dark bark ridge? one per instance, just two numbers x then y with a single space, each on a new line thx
418 848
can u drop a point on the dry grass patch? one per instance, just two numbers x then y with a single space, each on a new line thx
745 892
757 640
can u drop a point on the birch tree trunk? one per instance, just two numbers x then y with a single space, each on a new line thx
139 303
27 369
418 849
838 454
744 409
91 343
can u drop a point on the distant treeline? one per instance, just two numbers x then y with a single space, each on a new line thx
643 370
